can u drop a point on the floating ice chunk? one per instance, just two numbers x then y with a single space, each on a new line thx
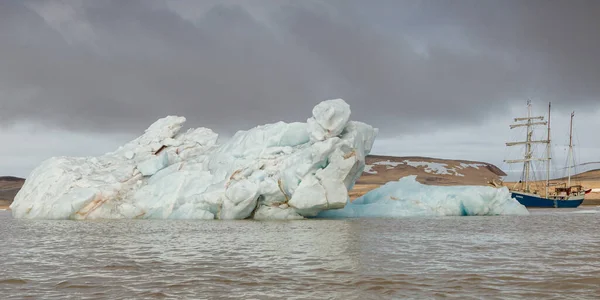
278 171
129 154
294 134
407 197
153 164
329 119
276 213
310 197
240 200
189 212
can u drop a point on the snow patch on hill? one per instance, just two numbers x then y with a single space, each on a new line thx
429 167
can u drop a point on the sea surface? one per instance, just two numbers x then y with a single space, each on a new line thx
551 254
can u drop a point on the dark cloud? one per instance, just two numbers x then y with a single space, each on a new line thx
119 65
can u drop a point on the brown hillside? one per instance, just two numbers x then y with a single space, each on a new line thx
585 176
9 187
434 171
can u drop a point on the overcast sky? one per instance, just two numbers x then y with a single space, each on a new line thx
439 78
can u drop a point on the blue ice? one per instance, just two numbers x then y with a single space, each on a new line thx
407 198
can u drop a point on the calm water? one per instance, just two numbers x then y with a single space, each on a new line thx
547 255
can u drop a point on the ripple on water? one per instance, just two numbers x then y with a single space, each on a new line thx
13 281
71 285
120 267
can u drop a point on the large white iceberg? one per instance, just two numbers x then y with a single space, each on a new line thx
279 170
407 197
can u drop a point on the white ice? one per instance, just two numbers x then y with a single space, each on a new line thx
407 197
280 170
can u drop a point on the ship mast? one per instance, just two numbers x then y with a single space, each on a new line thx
527 163
570 159
548 153
528 158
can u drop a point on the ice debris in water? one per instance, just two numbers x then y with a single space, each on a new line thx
407 197
280 170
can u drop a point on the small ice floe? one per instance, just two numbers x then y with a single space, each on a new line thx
409 198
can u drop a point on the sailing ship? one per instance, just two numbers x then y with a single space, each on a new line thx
564 195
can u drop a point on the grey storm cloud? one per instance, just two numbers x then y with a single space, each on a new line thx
116 66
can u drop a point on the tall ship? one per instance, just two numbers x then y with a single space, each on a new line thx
559 194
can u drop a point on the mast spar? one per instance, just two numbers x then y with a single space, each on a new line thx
571 160
548 152
528 157
526 165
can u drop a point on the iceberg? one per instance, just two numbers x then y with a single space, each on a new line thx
275 171
407 198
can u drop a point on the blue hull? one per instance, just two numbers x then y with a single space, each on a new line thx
537 201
